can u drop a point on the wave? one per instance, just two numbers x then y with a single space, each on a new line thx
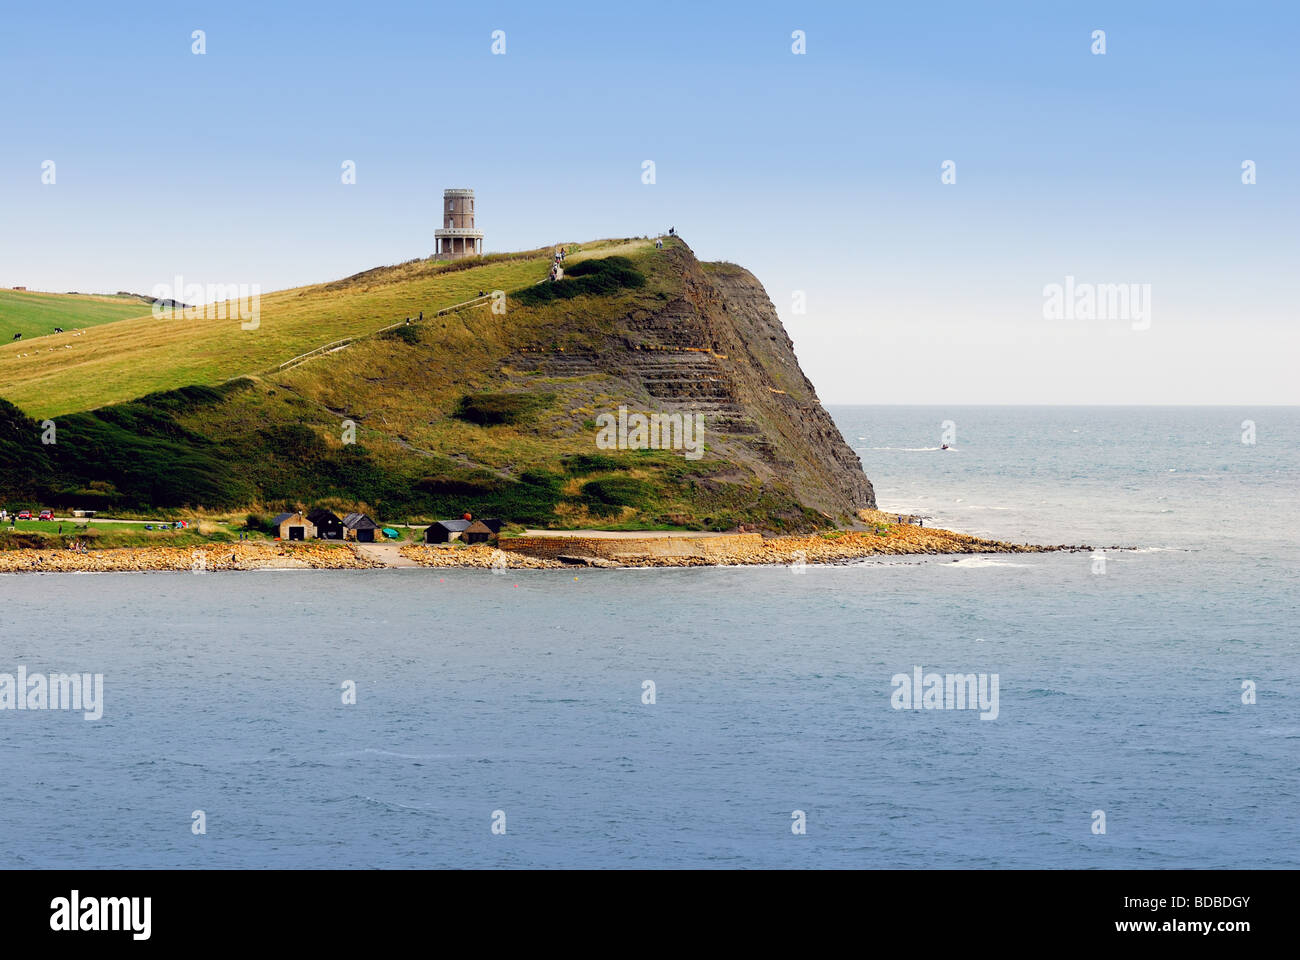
375 751
983 562
911 449
390 804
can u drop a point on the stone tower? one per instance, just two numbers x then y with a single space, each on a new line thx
457 238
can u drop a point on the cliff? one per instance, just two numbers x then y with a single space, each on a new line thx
494 407
719 349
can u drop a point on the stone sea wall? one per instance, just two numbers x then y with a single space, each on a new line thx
713 549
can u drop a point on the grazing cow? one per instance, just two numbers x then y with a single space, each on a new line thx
18 336
58 329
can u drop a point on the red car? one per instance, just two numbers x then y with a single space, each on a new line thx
24 514
47 515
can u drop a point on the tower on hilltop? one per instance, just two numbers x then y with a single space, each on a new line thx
457 237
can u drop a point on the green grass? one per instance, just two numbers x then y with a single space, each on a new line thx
588 278
493 409
37 314
115 362
100 535
446 415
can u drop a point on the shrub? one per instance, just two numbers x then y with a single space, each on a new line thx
463 486
616 492
494 409
293 441
590 277
402 334
580 463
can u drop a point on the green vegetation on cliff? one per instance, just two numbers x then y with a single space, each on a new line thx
474 409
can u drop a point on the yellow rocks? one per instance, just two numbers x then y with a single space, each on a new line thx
210 558
885 537
477 555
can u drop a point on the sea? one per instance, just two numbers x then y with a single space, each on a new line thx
1143 703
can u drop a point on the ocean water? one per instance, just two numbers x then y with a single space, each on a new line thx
1118 691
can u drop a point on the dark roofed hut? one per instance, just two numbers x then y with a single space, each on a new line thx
445 531
328 524
359 527
477 532
293 526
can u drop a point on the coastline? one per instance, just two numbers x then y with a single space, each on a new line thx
884 538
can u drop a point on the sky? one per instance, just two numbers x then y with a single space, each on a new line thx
822 172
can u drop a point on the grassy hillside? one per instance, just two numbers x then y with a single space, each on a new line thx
131 358
478 410
37 314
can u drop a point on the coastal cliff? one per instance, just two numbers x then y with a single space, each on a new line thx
492 405
719 349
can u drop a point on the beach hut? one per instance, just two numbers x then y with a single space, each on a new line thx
293 526
328 524
477 532
359 527
445 531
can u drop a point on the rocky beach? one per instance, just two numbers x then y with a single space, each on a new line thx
884 536
212 558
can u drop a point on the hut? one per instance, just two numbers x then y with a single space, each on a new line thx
359 527
445 531
328 524
477 532
493 523
293 526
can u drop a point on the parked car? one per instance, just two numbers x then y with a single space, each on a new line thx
24 514
47 515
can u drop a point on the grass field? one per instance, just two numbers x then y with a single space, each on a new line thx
42 534
133 357
37 314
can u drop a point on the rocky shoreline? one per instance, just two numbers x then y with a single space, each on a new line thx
203 559
884 538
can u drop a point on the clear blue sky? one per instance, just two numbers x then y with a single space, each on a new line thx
821 172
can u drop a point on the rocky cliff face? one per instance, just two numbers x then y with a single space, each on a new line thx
716 346
492 412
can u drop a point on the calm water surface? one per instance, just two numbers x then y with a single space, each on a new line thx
522 693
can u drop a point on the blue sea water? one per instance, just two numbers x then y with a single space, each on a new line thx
1118 692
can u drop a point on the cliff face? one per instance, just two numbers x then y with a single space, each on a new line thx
717 347
491 411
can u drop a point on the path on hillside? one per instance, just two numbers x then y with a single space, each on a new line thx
336 345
